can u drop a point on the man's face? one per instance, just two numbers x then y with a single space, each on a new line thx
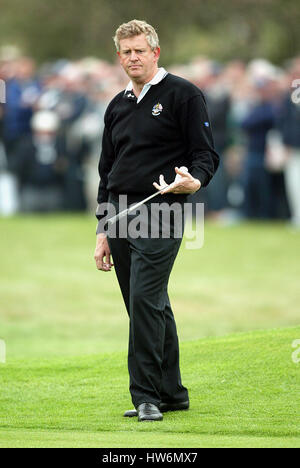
138 59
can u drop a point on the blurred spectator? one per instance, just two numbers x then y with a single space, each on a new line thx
2 149
48 170
67 91
8 185
209 77
218 103
256 124
74 152
289 123
22 91
38 166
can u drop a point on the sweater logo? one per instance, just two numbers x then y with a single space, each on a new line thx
157 109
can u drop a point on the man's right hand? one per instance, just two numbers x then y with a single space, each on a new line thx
102 250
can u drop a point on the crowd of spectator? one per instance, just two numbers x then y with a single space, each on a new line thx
52 121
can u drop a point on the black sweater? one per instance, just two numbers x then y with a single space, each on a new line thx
141 141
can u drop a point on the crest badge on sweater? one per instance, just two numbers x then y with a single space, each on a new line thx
157 109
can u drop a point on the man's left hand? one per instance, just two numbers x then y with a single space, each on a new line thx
187 184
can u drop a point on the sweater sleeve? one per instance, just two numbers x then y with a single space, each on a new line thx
203 160
106 161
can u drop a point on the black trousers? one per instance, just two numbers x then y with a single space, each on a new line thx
143 267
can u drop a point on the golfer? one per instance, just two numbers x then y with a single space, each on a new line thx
158 124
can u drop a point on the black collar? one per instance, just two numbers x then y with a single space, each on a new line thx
130 96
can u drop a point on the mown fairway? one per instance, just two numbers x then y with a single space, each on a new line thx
65 381
244 391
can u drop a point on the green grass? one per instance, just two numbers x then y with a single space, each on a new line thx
54 302
65 383
244 391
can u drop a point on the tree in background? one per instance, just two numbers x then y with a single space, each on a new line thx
218 28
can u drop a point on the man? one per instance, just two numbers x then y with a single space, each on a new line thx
22 93
158 124
38 164
257 123
289 122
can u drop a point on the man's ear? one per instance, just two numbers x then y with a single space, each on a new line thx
156 53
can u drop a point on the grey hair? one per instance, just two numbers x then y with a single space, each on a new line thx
135 28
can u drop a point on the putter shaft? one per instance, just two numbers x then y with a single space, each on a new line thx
123 213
